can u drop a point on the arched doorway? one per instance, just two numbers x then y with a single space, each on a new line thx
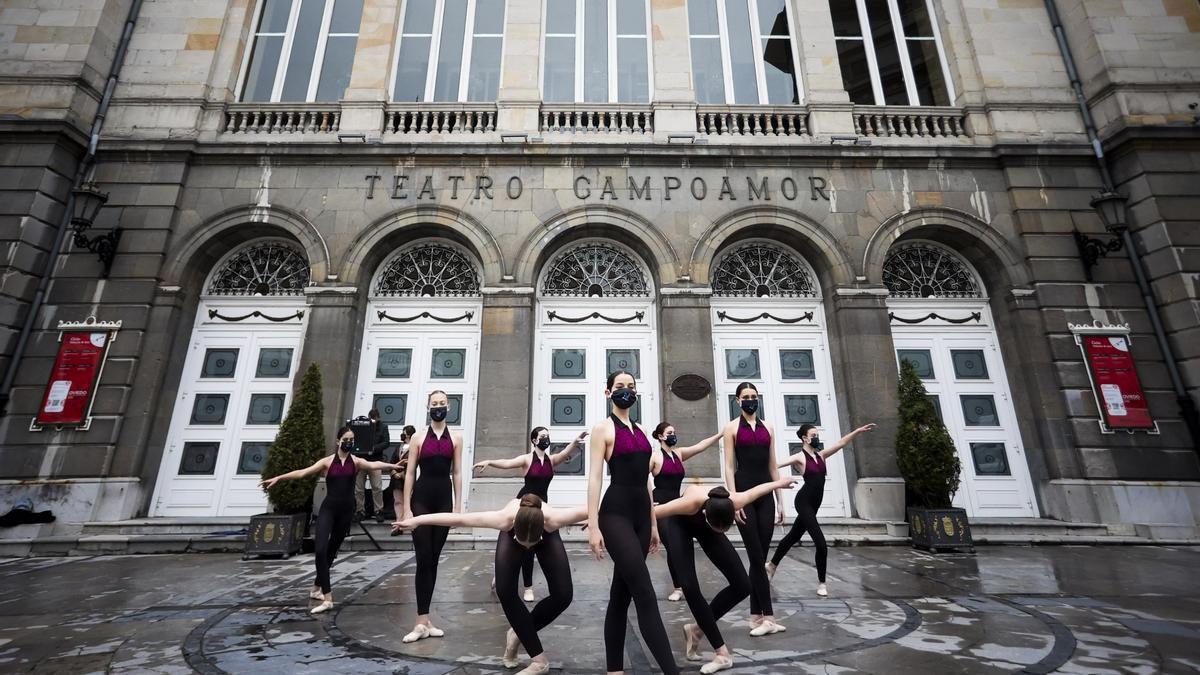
421 334
595 315
236 383
769 328
941 323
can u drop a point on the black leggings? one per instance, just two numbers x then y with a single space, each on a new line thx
665 525
680 541
333 524
553 558
628 541
428 540
756 535
527 568
806 522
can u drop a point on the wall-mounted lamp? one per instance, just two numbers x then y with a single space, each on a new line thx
682 139
1111 207
514 138
88 202
849 140
352 138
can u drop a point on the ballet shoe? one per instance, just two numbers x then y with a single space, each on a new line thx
771 567
822 590
322 608
763 628
316 595
718 663
676 595
776 627
511 644
434 631
535 668
419 632
528 597
692 644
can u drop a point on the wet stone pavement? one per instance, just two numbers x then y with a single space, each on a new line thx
890 610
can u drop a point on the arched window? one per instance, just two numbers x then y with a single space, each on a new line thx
761 270
923 270
319 43
595 270
428 270
262 269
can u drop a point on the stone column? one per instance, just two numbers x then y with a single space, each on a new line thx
505 379
685 336
824 93
673 97
332 340
366 96
866 358
520 92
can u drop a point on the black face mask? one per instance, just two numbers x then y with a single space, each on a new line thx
543 443
439 413
816 444
671 440
624 398
749 406
347 446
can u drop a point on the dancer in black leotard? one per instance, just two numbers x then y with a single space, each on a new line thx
437 452
750 461
526 526
625 523
337 511
538 469
811 463
667 467
704 513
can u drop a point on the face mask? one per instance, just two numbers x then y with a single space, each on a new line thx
749 406
347 446
543 443
438 414
624 398
671 440
816 444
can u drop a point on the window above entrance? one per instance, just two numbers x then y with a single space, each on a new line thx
427 271
761 270
595 270
742 52
596 51
890 52
449 51
261 269
923 270
303 50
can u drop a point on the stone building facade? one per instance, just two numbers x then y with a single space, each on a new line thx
507 199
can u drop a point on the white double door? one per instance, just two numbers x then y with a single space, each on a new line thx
964 376
790 367
571 369
402 363
235 390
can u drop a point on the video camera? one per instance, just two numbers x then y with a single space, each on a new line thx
364 435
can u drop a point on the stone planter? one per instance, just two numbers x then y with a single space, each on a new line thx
939 529
275 534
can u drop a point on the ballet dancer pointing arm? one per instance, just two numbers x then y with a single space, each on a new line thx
810 462
668 470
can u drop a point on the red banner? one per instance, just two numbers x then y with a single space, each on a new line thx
73 382
1120 393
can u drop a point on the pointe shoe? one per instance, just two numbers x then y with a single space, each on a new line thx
763 628
434 631
692 644
419 632
771 567
776 627
718 663
511 644
822 590
316 595
536 668
528 597
676 595
321 608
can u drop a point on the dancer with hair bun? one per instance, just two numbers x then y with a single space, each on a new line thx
436 453
702 515
750 461
811 463
667 467
526 525
538 468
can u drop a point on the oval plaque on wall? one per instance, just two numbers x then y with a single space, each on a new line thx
690 387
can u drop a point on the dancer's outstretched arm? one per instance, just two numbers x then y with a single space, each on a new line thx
496 520
559 517
565 454
518 462
691 501
317 467
692 450
842 442
741 499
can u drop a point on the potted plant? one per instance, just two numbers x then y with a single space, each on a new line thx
299 443
930 467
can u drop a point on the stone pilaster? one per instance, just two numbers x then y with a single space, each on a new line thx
673 96
366 96
824 93
685 336
332 340
520 92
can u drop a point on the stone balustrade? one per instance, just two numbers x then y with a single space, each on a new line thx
910 122
282 118
749 121
595 118
439 118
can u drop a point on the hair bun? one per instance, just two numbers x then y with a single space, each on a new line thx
719 493
531 501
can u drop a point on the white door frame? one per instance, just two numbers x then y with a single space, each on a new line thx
967 324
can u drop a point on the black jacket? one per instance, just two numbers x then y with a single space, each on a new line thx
382 440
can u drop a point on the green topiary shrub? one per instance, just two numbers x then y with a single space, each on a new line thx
300 442
924 450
